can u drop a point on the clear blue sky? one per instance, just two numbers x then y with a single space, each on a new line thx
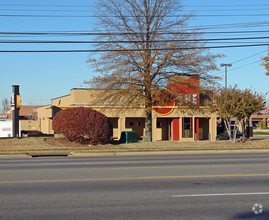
43 76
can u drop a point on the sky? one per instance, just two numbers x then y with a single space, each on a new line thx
44 76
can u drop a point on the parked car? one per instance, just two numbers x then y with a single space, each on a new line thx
225 136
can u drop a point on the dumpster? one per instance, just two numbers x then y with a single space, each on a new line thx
128 137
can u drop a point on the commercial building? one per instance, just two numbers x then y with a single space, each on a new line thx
260 116
173 121
27 117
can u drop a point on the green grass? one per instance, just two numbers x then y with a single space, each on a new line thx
38 145
261 133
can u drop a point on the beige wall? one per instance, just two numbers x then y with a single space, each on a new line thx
114 122
45 119
30 125
136 124
121 115
64 100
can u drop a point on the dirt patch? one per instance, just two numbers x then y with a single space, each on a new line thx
62 142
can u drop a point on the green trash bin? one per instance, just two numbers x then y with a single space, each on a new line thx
128 137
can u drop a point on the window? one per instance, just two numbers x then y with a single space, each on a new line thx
195 99
131 124
188 98
187 127
179 100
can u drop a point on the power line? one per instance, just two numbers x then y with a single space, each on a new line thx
202 27
111 16
87 6
125 42
227 5
129 41
245 59
128 33
249 56
127 50
246 25
245 65
32 5
217 26
48 10
87 11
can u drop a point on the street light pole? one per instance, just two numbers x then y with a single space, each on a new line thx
226 65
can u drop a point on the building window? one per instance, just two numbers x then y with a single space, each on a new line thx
195 99
179 99
187 127
188 98
138 124
131 124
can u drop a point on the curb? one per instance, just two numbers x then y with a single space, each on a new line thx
73 154
164 153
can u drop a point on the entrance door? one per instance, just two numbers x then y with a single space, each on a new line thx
173 129
175 122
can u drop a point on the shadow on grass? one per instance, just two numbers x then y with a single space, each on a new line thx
115 142
40 135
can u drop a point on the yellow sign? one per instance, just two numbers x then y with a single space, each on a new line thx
18 104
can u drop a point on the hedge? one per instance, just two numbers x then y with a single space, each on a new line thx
83 125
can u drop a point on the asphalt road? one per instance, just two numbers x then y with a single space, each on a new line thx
196 186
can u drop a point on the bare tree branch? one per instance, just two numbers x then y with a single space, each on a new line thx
140 73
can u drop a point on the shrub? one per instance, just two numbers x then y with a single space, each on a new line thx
83 125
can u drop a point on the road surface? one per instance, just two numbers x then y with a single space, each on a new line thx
193 186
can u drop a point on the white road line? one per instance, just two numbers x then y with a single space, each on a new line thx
222 194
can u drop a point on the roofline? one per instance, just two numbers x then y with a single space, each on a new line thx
92 89
60 97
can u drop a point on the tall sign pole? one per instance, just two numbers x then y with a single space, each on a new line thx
226 65
15 107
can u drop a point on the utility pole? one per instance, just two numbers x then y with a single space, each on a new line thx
226 65
15 107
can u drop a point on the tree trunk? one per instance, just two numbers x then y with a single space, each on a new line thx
244 127
227 123
148 127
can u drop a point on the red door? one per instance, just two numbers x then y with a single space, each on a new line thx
175 126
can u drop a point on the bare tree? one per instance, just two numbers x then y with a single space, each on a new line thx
5 105
146 44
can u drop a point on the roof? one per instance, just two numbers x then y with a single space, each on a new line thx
25 110
263 113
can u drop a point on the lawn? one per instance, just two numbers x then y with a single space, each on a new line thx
41 145
261 133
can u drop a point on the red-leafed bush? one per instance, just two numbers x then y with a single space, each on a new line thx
83 125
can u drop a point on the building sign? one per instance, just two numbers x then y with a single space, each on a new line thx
165 109
3 116
6 129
